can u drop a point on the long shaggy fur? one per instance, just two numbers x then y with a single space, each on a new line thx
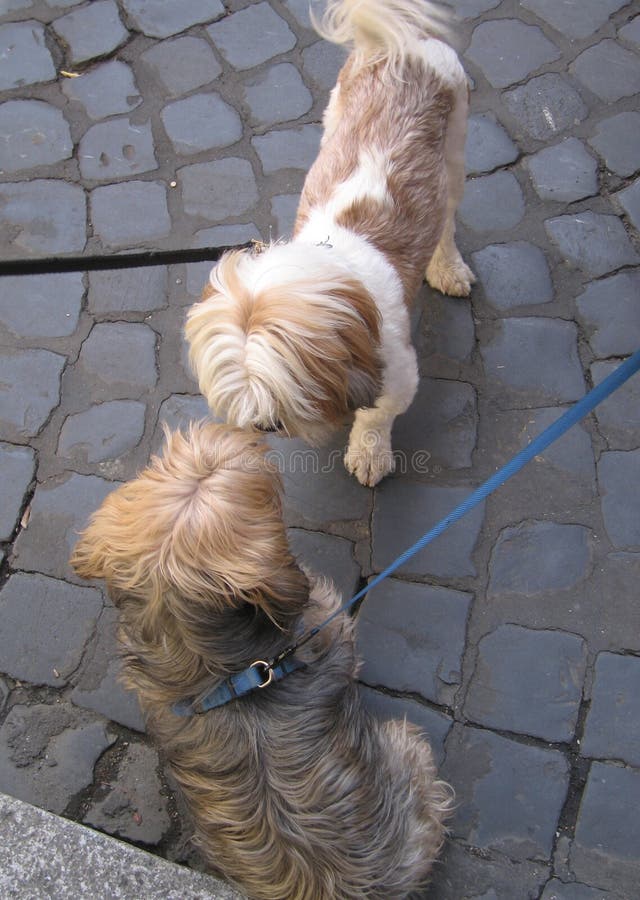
295 791
294 338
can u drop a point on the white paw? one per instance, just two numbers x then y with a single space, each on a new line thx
369 457
454 279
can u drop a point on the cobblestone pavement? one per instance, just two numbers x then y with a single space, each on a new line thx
515 640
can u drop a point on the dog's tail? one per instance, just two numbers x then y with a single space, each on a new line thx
383 30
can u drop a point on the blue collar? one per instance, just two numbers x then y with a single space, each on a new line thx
259 675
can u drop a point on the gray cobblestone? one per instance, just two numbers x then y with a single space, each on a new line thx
447 332
251 36
224 236
509 795
565 172
559 890
492 202
106 90
529 50
217 190
574 21
616 471
134 212
514 274
631 32
609 310
616 140
115 149
26 308
612 729
528 681
617 415
30 382
595 243
182 64
163 18
629 199
25 58
488 145
201 122
128 290
321 63
327 555
35 134
55 620
18 466
279 95
418 652
292 148
545 106
609 71
117 361
92 31
42 217
284 208
105 431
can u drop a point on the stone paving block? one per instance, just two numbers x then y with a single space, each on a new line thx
277 95
63 4
43 216
595 243
618 415
30 382
405 510
514 274
219 189
608 70
201 122
545 106
224 236
41 306
54 621
105 431
616 139
411 638
509 795
327 556
106 90
162 18
605 850
528 681
60 509
631 32
178 411
492 202
612 730
317 487
488 145
438 429
529 50
433 724
48 754
610 312
198 275
284 209
182 64
291 148
447 329
565 172
466 874
535 361
128 290
130 213
118 361
560 890
34 134
629 199
95 30
535 557
321 62
25 58
18 466
251 36
116 149
134 808
616 471
575 18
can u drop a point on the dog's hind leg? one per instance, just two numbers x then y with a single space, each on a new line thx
447 271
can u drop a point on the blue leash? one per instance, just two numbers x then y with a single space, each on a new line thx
566 421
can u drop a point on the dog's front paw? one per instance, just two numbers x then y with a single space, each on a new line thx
454 278
369 457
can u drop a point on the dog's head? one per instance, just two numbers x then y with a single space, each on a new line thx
198 533
285 340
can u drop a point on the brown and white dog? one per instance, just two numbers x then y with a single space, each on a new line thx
296 792
294 338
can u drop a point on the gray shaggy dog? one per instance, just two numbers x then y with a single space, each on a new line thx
296 792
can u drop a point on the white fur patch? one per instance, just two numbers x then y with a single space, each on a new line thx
368 182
